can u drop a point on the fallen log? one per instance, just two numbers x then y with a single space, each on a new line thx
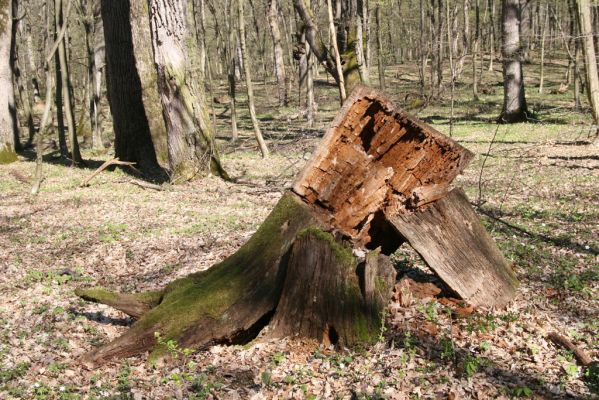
318 266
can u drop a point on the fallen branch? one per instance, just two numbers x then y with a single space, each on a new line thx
146 185
563 341
102 167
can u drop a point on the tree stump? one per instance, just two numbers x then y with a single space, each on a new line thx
318 266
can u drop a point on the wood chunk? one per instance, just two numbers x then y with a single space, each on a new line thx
450 238
376 156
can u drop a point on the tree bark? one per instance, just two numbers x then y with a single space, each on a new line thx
379 48
61 23
248 81
277 50
514 100
314 38
133 141
333 36
590 64
7 106
191 147
378 173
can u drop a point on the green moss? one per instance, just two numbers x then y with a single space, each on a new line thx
7 156
251 273
342 253
98 295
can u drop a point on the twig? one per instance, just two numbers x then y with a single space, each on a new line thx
146 185
563 341
482 168
102 167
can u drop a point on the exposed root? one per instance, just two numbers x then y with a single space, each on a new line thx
134 305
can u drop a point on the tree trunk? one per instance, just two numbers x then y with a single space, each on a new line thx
191 147
333 36
277 50
61 22
475 46
248 81
543 35
379 48
132 139
525 29
377 175
99 65
7 105
314 38
491 5
514 100
588 50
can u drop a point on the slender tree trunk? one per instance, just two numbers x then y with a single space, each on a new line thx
231 67
359 49
66 83
191 147
379 48
315 40
543 35
475 46
99 60
333 36
491 4
310 104
585 25
248 81
39 147
525 29
7 134
514 100
451 67
279 63
422 52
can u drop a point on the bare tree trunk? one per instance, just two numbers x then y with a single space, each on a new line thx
491 4
191 147
585 25
475 46
333 36
422 52
248 81
231 67
379 48
451 67
359 49
99 66
279 63
7 134
315 40
310 104
525 31
514 100
543 35
39 148
61 21
133 141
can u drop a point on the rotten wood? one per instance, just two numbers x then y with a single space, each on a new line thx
379 178
450 238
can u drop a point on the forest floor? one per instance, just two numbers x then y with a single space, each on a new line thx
536 189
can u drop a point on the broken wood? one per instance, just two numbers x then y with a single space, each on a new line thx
449 237
564 342
106 164
318 266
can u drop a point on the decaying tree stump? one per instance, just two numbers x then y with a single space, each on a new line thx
318 265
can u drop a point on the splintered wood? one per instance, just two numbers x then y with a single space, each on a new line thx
376 159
